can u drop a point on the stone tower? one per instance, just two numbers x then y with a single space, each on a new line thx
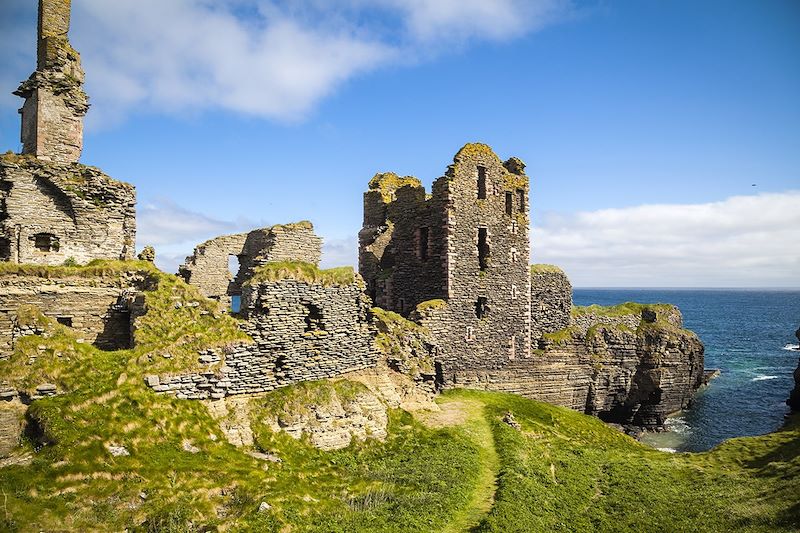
52 208
55 104
463 253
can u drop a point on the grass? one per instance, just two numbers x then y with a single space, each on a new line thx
543 268
627 308
300 271
563 471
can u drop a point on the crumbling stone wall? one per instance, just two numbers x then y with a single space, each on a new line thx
51 212
208 267
55 104
99 308
551 301
301 332
467 244
12 415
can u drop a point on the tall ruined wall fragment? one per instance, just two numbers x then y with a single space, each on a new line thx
467 244
55 104
208 267
551 301
51 207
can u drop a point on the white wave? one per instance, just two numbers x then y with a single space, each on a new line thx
677 424
763 378
792 347
668 450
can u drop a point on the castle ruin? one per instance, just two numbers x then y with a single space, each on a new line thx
53 208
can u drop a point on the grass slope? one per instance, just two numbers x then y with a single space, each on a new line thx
563 472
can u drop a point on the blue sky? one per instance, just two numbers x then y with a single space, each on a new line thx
644 124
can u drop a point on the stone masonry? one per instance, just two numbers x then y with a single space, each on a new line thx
302 332
55 104
467 244
551 301
51 207
208 267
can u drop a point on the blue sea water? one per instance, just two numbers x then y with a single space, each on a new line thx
748 335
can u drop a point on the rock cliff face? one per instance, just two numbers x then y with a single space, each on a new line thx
627 369
794 398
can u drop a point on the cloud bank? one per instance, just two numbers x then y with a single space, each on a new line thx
274 59
742 241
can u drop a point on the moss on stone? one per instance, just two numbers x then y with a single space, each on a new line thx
431 305
475 150
515 181
387 183
300 271
543 268
99 268
303 224
561 336
627 308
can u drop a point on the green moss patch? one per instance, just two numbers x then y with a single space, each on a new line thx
301 271
388 183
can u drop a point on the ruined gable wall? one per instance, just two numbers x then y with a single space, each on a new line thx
551 301
467 342
92 216
400 269
207 268
287 349
90 304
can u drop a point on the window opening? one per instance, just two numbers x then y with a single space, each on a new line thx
401 305
5 249
313 318
422 250
521 200
233 265
470 333
236 303
513 292
514 255
483 248
481 183
482 307
64 321
509 203
46 242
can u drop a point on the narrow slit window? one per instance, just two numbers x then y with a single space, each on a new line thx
422 245
481 183
401 306
509 203
483 248
521 200
482 307
470 333
513 292
5 249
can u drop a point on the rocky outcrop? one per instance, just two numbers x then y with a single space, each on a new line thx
794 397
634 376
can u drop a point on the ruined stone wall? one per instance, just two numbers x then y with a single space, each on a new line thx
301 332
50 212
403 244
551 301
208 267
55 104
486 321
628 376
12 416
95 307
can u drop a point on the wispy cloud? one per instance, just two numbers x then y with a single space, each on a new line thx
268 58
740 241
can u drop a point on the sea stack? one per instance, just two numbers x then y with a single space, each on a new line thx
794 397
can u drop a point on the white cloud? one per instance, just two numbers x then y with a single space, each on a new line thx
339 252
269 58
740 241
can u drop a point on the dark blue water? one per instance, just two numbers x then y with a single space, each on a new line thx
747 334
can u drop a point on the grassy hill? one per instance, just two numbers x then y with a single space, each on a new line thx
459 469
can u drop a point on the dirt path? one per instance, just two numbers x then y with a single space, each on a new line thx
470 415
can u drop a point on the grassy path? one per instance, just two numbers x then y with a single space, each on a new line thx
469 414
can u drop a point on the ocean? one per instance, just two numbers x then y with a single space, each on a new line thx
749 336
